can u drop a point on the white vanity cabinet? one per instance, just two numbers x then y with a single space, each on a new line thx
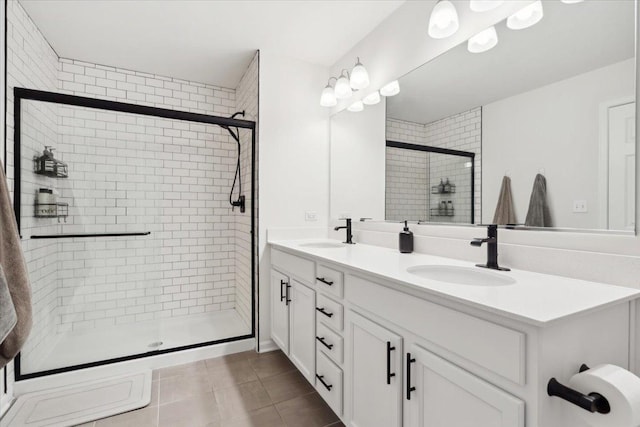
293 307
387 354
439 393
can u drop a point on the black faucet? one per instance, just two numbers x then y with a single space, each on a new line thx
492 248
348 228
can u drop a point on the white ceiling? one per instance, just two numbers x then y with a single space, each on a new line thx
208 41
571 39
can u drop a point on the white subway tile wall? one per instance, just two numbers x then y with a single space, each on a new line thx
129 173
408 193
32 63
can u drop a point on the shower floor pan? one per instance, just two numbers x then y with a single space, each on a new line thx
82 347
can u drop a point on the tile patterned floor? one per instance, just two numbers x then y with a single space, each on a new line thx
240 390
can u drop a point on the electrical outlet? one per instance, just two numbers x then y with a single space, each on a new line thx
311 216
579 206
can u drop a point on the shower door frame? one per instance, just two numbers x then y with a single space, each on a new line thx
123 107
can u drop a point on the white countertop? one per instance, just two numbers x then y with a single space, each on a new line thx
535 298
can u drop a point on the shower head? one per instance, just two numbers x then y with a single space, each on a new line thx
238 113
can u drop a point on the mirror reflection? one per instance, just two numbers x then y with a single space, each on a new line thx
555 99
548 112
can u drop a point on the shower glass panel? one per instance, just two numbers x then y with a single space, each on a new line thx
430 184
131 243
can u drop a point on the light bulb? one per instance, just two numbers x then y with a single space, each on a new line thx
356 107
526 17
390 89
359 77
372 98
443 21
328 97
484 5
343 89
483 41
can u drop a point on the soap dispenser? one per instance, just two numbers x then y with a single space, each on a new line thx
406 240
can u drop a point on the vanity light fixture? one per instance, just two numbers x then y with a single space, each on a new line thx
484 5
526 17
356 107
443 21
343 88
359 76
328 97
372 99
390 89
483 41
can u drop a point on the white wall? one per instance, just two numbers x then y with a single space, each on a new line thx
555 128
294 155
358 163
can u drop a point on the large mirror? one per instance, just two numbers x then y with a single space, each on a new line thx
538 131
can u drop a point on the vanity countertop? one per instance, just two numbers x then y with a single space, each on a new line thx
537 299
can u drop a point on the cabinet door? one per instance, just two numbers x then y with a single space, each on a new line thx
280 310
376 374
446 395
302 329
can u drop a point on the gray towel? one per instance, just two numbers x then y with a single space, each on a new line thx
15 271
8 316
505 212
538 214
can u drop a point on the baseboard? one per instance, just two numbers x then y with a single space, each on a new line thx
268 345
151 362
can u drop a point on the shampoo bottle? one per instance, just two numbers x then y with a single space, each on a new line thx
406 240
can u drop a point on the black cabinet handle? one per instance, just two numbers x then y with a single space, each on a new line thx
389 373
409 388
323 280
320 378
287 294
322 310
321 339
282 283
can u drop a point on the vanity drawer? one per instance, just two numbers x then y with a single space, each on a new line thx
329 280
491 346
301 268
329 382
329 312
329 343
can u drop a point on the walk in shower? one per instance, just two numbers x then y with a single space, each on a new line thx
134 241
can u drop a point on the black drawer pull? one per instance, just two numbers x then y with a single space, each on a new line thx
323 280
409 388
282 283
321 339
326 313
389 373
320 378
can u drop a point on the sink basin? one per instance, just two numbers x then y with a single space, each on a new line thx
461 275
322 245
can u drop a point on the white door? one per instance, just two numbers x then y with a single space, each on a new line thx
302 329
440 394
280 310
376 374
622 165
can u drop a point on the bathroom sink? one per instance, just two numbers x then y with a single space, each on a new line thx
322 245
461 275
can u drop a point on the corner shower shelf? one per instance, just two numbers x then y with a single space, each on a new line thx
51 210
71 236
435 189
441 212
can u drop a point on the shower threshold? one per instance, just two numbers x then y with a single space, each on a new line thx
82 347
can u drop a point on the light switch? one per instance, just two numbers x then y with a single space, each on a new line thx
311 216
579 206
